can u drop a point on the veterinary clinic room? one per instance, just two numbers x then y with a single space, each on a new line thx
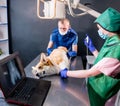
59 53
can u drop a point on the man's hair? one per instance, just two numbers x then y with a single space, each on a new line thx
64 20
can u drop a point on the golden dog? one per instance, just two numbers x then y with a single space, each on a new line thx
52 64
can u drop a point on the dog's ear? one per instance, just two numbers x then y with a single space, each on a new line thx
43 57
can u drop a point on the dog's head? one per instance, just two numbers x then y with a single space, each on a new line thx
43 66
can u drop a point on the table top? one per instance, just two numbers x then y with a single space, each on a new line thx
63 92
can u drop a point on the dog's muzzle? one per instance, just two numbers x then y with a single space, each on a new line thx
41 74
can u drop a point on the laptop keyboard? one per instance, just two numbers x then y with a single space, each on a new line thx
25 90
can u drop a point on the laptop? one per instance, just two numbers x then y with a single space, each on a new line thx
19 89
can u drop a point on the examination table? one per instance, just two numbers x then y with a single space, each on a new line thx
63 92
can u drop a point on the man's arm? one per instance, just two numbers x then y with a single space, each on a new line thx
75 48
73 53
50 44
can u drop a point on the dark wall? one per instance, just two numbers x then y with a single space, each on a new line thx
29 35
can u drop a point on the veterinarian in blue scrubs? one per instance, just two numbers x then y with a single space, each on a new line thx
65 36
104 77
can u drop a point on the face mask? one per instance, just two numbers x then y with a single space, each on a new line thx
103 36
63 33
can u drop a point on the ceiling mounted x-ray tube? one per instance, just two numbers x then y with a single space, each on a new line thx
77 5
74 5
88 10
51 9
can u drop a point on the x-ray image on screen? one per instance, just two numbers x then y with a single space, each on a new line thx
14 72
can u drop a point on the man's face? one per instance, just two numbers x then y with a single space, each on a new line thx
63 27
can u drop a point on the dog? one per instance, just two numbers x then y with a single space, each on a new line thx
52 64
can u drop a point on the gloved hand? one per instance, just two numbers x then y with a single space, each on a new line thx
63 73
72 53
88 43
49 50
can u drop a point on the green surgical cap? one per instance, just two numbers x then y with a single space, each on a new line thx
109 20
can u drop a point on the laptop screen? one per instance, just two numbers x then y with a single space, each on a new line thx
10 75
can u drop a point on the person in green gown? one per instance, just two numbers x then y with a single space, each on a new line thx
103 78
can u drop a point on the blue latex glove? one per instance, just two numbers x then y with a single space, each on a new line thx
49 50
63 73
72 53
88 43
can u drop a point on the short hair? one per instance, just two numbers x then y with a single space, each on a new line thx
62 21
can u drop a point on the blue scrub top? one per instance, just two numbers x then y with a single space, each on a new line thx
71 38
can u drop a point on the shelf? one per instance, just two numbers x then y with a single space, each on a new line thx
3 6
1 23
2 40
